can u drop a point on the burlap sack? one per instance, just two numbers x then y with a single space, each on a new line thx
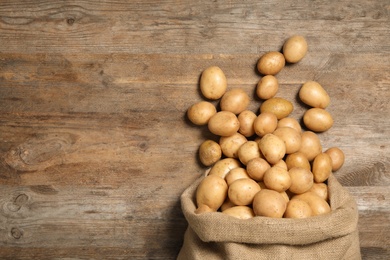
215 235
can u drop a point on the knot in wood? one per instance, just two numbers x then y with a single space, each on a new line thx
70 21
16 233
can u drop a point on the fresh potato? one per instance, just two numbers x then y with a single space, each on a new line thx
301 180
201 112
277 178
313 94
269 203
203 209
223 167
209 152
248 151
290 122
282 164
291 138
235 174
265 123
278 106
213 83
310 145
235 100
295 48
318 205
241 212
242 191
297 159
272 148
271 63
256 168
224 123
227 204
267 87
337 156
322 167
297 208
246 119
317 119
231 144
212 192
321 190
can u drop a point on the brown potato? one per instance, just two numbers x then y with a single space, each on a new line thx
267 87
290 122
209 152
297 208
235 174
310 145
271 63
295 48
248 151
277 178
301 180
235 100
265 123
213 83
246 119
297 159
321 190
256 168
201 112
313 94
318 205
212 192
242 191
203 209
272 148
317 119
241 212
269 203
231 144
281 164
322 167
223 123
223 167
227 204
291 138
278 106
337 156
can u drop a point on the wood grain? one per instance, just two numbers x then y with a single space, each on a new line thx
95 146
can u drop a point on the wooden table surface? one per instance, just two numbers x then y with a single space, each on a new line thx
95 147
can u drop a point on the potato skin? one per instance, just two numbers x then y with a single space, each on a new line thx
265 123
213 83
201 112
241 212
337 156
310 145
297 208
246 119
295 48
318 205
269 203
235 100
209 152
267 87
223 123
322 167
279 106
272 147
277 178
242 191
301 180
223 166
271 63
313 94
318 119
212 192
231 144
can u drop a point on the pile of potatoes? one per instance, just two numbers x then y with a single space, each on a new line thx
264 164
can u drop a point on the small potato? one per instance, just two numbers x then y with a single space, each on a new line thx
297 159
241 212
223 123
201 112
269 203
212 192
301 180
277 178
279 106
271 63
242 191
310 145
313 94
231 144
213 83
223 167
209 152
322 167
246 119
291 138
318 119
295 48
248 151
337 156
281 164
297 208
290 122
321 190
272 148
235 174
318 205
256 168
265 123
235 100
267 87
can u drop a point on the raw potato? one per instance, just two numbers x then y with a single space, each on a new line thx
313 94
277 179
223 167
297 208
242 191
271 63
282 164
231 144
322 167
209 152
318 119
241 212
290 137
267 87
310 145
272 148
265 123
321 190
201 112
227 204
248 151
246 119
301 180
337 156
318 205
294 49
235 174
290 122
211 192
213 83
235 100
203 209
224 123
269 203
297 159
256 168
278 106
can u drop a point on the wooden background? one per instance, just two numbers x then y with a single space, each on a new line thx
95 147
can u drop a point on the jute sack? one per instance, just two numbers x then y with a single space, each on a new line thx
215 235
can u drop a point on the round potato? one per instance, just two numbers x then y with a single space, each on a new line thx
242 191
213 83
295 48
290 122
246 119
313 94
201 112
318 205
301 180
269 203
279 106
241 212
297 208
212 192
223 123
272 148
248 151
291 138
235 174
209 152
282 164
267 87
235 100
223 167
271 63
265 123
322 167
277 178
256 168
231 144
321 190
297 159
310 145
317 119
337 156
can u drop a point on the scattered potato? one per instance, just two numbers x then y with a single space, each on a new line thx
337 156
201 112
267 87
313 94
209 152
213 83
317 119
224 123
278 106
295 48
265 123
246 119
271 63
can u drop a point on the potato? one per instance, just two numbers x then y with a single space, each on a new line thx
223 167
310 145
235 174
277 178
272 148
227 204
223 123
242 191
297 208
301 180
246 119
281 164
317 119
318 205
213 83
297 159
322 167
271 63
321 190
313 94
290 122
241 212
256 168
267 87
337 156
209 152
291 138
231 144
203 209
201 112
248 151
212 192
265 123
295 48
235 100
278 106
269 203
